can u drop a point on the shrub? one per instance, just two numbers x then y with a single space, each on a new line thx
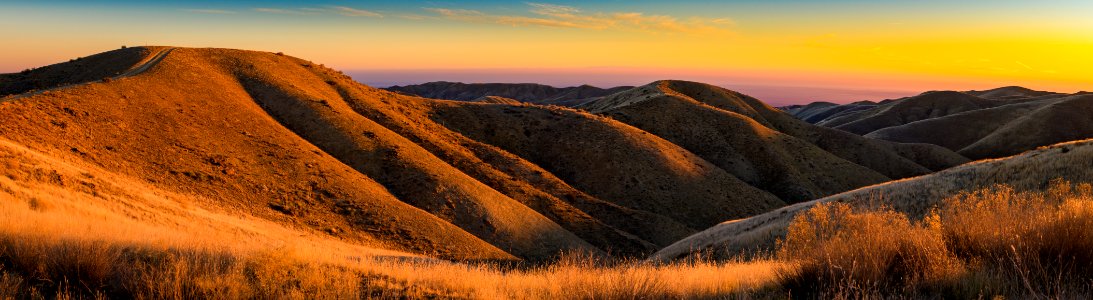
996 241
860 253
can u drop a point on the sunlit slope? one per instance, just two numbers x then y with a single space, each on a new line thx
1072 161
292 142
191 125
47 197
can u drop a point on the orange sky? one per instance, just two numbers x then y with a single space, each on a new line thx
847 45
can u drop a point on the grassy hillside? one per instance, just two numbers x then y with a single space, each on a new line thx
913 196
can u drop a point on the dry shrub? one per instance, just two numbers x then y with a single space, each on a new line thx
858 253
59 263
1025 244
992 242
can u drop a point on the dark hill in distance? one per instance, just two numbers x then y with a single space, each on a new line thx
977 124
525 92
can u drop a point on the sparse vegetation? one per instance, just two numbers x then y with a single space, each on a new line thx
36 267
992 242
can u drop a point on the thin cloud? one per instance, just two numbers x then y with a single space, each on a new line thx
210 11
353 12
415 17
1024 65
551 15
281 11
340 10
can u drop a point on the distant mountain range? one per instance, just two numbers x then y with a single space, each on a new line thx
524 92
976 124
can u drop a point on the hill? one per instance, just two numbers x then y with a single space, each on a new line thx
525 92
819 111
925 106
977 124
1010 92
764 146
1003 130
284 140
1029 171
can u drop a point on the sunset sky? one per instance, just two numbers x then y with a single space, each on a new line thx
782 51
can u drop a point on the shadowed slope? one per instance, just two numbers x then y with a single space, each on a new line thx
1002 130
1010 92
1068 119
926 106
605 224
819 111
889 159
1035 169
610 160
791 169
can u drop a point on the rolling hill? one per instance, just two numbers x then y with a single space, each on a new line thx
1032 170
977 124
268 136
764 146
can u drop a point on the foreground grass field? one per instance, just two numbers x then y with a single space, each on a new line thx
51 253
993 242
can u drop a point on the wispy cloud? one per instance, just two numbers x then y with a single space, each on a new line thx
210 11
340 10
550 15
282 11
415 17
1023 65
353 12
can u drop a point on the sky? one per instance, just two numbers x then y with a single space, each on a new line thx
781 51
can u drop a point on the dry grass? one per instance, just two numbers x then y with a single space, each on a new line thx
36 267
992 242
56 244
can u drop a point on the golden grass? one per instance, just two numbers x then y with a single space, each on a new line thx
991 242
134 241
36 265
